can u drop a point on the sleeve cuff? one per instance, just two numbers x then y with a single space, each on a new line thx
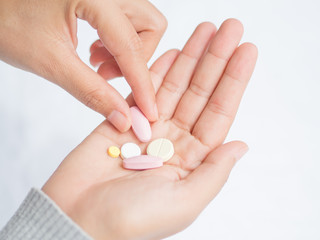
39 217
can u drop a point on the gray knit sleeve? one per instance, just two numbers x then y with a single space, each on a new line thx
39 217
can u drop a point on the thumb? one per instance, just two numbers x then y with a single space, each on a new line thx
205 182
92 90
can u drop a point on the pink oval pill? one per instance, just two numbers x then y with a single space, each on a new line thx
140 125
142 162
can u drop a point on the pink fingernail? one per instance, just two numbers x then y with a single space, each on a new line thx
119 121
99 44
241 152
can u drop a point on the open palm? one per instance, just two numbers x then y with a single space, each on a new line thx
198 93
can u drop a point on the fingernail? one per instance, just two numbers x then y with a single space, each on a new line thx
119 120
156 113
99 44
241 152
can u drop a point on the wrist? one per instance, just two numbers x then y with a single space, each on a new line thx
39 217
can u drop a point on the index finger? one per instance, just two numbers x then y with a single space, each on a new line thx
122 41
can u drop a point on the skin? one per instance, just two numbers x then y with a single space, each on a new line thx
41 37
198 93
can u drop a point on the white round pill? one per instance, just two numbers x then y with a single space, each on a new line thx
162 148
129 150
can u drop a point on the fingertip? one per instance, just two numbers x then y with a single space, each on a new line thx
201 36
92 61
235 24
240 144
100 55
162 65
243 61
119 121
207 26
109 70
238 149
251 49
241 152
95 45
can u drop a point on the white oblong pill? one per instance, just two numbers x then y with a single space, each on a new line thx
129 150
162 148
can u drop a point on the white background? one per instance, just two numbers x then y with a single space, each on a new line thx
273 192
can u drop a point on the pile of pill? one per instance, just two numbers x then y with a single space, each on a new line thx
158 151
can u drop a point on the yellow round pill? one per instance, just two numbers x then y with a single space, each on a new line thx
114 151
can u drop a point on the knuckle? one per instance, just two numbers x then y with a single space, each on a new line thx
157 21
161 23
251 48
134 43
217 107
94 99
51 67
235 24
198 90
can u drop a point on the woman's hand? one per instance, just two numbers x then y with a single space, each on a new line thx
41 37
198 93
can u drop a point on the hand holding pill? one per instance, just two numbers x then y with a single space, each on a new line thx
41 37
198 91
